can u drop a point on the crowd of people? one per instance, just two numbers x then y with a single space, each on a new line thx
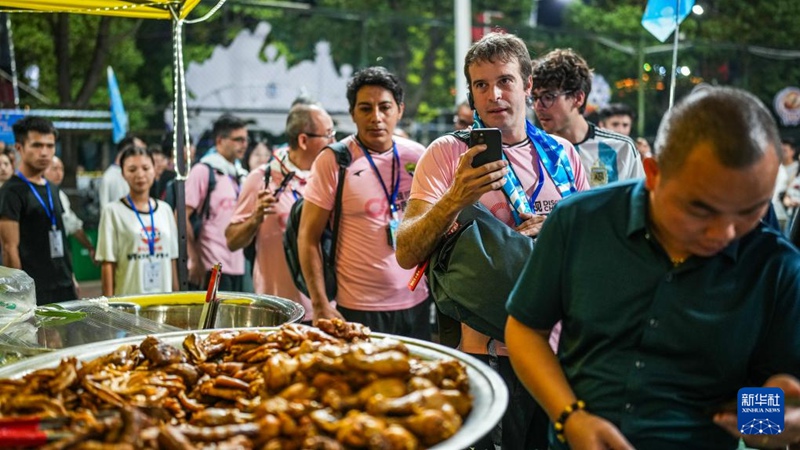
655 290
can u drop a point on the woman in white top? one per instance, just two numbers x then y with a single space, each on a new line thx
137 240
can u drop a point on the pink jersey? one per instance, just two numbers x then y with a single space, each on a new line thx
270 272
211 242
435 173
367 272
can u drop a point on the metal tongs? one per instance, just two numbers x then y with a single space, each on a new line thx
208 318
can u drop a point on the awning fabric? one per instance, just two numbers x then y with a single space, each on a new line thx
145 9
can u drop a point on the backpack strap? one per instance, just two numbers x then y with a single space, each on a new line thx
343 158
461 135
205 208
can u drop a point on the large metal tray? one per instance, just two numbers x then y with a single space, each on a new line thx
487 388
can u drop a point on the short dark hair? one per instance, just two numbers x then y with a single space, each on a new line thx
32 123
129 139
615 109
565 70
737 125
374 76
503 47
131 150
226 124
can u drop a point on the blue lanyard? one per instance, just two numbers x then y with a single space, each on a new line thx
151 237
51 213
539 182
396 162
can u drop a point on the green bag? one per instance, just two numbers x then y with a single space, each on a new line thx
473 270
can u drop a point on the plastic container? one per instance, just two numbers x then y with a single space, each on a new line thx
17 296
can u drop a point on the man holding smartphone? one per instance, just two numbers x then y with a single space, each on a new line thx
267 196
498 70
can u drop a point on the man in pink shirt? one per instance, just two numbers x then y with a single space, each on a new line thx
498 70
371 286
261 216
210 247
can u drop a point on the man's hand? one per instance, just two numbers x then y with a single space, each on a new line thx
585 431
197 275
531 225
264 205
470 182
325 311
791 426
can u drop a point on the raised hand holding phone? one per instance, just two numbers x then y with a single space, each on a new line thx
493 139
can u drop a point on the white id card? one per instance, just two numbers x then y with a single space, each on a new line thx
56 244
152 274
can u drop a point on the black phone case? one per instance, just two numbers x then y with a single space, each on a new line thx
493 138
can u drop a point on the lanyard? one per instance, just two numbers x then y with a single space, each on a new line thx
51 213
395 162
151 237
539 182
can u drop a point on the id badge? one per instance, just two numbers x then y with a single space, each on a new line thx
56 244
599 174
152 274
391 232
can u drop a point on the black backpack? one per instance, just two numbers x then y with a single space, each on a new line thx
329 236
200 214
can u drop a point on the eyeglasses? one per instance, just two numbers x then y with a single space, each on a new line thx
331 135
461 122
548 98
239 139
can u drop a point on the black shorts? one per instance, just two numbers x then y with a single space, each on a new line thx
413 322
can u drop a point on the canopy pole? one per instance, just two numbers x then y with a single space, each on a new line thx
673 79
14 76
179 150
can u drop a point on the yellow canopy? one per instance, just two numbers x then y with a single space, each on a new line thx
145 9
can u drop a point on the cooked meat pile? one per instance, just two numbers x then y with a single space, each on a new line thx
300 387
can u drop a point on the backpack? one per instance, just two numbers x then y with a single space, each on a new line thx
200 214
473 270
479 246
329 237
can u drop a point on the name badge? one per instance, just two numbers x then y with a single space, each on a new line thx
56 244
391 231
151 276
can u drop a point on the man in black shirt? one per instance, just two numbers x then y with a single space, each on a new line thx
31 228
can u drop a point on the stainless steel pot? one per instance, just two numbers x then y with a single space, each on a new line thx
236 310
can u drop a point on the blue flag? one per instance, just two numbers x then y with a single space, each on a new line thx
659 16
119 118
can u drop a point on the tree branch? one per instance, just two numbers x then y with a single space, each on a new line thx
61 46
96 69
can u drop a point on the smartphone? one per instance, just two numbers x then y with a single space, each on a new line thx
493 138
284 184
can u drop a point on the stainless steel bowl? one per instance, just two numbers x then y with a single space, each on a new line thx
487 388
236 310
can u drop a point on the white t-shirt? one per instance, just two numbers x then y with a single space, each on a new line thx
122 240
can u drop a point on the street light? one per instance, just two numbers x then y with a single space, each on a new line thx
698 10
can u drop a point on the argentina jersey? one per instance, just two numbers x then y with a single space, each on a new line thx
616 152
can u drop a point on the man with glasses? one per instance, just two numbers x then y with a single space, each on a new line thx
498 71
562 82
210 246
261 213
463 116
371 286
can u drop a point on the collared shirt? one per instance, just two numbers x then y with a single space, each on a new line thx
652 347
